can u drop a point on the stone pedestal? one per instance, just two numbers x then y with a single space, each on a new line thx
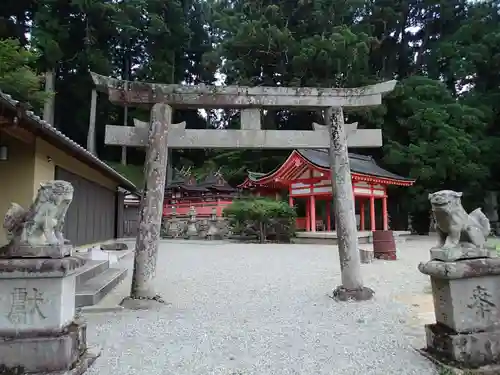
38 329
191 229
366 255
462 251
213 231
467 307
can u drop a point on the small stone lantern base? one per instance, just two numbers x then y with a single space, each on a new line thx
467 308
39 332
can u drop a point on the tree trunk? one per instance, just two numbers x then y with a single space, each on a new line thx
125 123
49 106
126 76
146 249
91 132
350 266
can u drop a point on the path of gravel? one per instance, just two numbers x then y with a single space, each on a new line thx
263 309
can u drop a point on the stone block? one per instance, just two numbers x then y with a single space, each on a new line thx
42 304
467 305
366 255
37 294
461 252
470 350
45 354
27 251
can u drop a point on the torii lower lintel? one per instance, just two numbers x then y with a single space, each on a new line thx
179 137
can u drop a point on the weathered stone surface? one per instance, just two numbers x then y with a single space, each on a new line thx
191 230
41 226
174 227
454 225
146 248
142 304
448 366
203 96
366 255
466 297
180 138
461 269
42 251
36 304
251 119
362 294
462 251
213 230
467 305
470 350
91 145
39 267
344 209
115 246
45 354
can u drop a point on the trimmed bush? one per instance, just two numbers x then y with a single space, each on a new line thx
261 218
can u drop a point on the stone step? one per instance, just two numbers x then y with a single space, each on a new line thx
98 287
90 270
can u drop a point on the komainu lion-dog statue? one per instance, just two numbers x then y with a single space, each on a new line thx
41 225
453 225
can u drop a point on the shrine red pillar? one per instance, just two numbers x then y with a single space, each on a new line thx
328 216
362 215
385 214
312 203
372 212
308 217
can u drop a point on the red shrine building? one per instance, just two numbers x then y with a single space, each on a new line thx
184 192
306 176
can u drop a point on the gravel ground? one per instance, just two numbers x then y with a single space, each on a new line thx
242 309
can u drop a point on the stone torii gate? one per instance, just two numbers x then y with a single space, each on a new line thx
161 134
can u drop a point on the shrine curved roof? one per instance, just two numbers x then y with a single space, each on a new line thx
362 164
363 168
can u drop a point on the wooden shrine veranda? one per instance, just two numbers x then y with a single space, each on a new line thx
306 175
207 195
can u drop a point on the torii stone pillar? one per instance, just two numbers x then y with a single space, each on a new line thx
251 100
345 218
151 208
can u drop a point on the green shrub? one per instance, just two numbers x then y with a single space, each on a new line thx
264 218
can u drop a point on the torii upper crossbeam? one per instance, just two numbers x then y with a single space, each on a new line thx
202 96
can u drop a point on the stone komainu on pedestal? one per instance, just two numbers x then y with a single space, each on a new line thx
38 231
454 225
39 332
465 276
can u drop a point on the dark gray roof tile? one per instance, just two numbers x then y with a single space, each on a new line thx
359 163
52 133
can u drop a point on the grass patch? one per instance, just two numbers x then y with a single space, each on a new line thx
134 173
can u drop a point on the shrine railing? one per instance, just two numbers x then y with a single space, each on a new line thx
202 208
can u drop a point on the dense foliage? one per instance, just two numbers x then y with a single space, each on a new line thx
17 75
440 125
267 219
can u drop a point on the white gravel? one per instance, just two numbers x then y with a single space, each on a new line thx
263 309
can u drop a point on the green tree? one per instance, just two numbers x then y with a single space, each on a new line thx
17 74
437 140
